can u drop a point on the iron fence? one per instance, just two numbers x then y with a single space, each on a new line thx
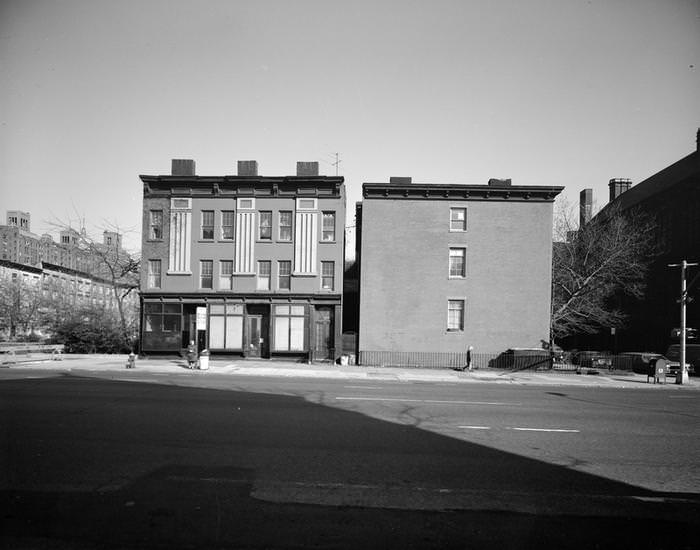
511 360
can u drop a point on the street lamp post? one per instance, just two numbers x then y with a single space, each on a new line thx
682 376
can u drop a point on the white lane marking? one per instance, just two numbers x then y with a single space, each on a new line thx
557 430
426 401
363 387
475 427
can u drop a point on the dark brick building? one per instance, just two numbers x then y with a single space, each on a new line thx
671 197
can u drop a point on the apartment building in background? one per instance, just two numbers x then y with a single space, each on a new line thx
63 270
243 264
447 266
670 199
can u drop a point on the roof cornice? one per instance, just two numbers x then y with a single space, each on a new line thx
462 192
197 186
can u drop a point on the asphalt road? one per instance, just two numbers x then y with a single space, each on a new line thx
130 459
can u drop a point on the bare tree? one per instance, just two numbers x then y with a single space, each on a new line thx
110 262
594 264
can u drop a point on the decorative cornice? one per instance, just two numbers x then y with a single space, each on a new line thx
235 186
461 192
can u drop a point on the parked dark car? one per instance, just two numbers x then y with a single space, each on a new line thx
592 359
523 358
692 357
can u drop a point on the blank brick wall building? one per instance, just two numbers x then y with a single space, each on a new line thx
443 267
244 264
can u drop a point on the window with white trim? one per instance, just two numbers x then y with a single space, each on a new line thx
285 225
458 264
327 275
154 273
207 225
264 269
458 219
455 315
328 229
206 273
227 222
265 226
226 274
284 275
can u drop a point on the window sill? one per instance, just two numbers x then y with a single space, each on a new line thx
206 241
327 242
455 331
178 273
155 240
297 274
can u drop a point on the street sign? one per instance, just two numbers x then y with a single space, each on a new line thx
201 318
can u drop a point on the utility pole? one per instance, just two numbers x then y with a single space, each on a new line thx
682 376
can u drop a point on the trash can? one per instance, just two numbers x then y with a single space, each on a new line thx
204 360
344 360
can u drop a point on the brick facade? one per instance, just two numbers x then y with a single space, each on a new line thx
405 282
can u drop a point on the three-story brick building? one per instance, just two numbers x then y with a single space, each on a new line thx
244 264
447 266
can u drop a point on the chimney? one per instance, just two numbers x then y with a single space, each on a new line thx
618 186
400 179
183 167
307 168
585 207
494 182
247 167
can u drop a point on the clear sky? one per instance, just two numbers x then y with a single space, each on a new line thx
546 92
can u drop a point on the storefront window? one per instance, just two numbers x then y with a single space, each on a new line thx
226 326
289 324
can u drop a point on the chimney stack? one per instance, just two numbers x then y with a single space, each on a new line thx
247 167
183 167
585 207
400 179
494 182
307 168
618 186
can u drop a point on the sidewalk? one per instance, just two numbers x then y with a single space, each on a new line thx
75 364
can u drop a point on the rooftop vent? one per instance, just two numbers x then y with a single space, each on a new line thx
400 179
182 167
307 168
247 167
494 182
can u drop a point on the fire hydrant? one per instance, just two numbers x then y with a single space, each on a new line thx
131 361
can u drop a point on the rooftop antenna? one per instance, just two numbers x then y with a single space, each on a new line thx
336 163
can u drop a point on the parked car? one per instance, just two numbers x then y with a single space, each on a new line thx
692 357
592 359
636 361
523 358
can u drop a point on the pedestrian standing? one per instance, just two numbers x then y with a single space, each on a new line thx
191 355
468 366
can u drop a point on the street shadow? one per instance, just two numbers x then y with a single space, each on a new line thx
99 463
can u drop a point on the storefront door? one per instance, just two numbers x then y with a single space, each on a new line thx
255 339
324 334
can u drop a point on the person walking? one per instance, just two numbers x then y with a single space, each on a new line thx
468 365
191 355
